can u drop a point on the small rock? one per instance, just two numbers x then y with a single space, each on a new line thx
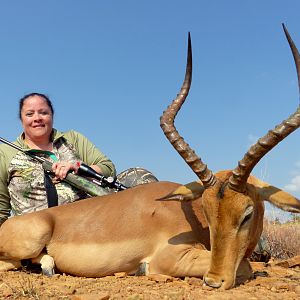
260 274
193 281
160 278
281 286
120 274
289 263
297 290
98 296
129 289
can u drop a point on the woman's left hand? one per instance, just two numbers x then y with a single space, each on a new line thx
62 168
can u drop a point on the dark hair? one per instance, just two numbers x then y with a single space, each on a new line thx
21 102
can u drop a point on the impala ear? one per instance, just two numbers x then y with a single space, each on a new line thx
276 196
187 192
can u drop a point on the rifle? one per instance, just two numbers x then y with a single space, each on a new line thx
93 188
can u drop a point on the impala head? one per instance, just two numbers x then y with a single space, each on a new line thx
232 201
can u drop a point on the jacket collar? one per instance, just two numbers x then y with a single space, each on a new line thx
55 135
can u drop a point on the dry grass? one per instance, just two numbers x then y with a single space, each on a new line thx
24 290
283 239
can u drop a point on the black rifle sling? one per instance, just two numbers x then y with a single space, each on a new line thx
50 191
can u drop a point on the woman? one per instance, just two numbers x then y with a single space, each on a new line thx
24 186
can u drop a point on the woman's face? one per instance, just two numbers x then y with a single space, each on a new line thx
37 119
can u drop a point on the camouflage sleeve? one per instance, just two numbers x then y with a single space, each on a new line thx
4 201
90 154
6 153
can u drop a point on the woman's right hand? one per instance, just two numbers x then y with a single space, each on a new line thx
62 168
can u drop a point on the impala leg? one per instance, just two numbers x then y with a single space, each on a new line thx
181 261
9 264
47 263
191 261
24 237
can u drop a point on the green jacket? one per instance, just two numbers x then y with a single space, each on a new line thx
22 187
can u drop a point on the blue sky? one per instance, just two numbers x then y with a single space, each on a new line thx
111 68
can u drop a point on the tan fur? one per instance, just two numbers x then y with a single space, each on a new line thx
9 264
119 232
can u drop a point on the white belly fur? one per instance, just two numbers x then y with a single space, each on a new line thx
96 260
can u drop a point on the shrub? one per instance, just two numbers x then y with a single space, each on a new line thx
283 239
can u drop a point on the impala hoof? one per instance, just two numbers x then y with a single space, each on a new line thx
48 272
212 282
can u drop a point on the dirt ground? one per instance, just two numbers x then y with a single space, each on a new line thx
278 283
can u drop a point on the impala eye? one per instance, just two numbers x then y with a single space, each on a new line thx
247 215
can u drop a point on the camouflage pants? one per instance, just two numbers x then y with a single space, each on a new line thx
132 177
262 252
135 176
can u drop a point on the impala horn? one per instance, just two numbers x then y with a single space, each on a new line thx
167 125
240 174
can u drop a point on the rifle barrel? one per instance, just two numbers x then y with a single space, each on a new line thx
11 144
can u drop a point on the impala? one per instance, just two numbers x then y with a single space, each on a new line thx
205 229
